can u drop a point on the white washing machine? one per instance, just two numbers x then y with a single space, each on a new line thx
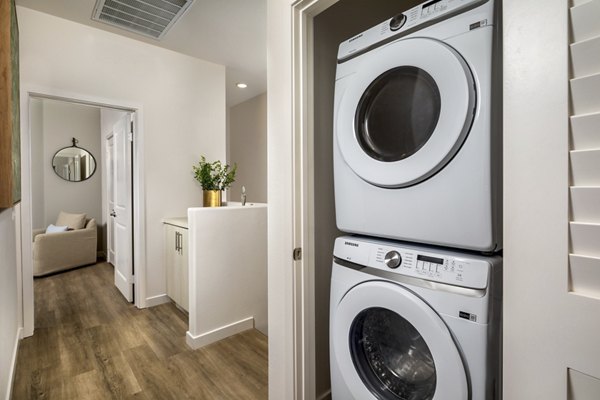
417 147
413 322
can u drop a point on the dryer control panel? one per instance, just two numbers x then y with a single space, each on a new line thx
444 266
402 23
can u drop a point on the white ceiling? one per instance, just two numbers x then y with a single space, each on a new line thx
227 32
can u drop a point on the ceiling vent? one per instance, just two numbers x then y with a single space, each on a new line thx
151 18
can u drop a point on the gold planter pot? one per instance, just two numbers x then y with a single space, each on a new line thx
211 198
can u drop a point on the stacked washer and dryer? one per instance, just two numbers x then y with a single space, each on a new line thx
416 288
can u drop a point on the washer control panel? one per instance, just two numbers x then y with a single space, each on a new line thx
399 23
442 266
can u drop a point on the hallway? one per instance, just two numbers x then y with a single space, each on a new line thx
91 344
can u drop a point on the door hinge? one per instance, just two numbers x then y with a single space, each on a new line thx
297 254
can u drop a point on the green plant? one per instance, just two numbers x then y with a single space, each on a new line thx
214 175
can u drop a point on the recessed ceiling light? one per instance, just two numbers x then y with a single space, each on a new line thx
242 85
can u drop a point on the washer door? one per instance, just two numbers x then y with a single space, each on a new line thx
389 344
405 112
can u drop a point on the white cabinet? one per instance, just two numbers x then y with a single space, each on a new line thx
176 257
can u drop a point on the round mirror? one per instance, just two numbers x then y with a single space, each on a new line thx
74 164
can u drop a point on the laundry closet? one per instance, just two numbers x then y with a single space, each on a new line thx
413 132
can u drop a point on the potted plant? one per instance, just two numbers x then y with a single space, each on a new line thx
214 177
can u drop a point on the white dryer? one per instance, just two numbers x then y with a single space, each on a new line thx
413 323
417 146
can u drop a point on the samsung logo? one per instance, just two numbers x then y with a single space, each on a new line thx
355 37
351 244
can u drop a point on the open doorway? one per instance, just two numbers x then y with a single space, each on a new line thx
81 183
68 178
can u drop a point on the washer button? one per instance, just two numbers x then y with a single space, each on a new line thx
393 259
397 22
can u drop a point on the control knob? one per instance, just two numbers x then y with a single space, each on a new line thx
397 22
393 259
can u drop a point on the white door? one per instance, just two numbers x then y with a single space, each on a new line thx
551 304
110 256
119 185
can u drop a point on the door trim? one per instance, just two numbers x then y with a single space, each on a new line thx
139 242
302 132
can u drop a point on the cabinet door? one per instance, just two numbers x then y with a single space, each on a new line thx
183 270
171 259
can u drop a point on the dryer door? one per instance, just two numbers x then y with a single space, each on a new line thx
405 111
389 344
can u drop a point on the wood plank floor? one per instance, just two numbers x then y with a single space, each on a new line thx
89 343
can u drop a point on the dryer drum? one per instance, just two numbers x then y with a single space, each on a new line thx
391 357
397 113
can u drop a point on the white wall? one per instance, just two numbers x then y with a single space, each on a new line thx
248 148
9 312
182 99
227 271
280 211
61 122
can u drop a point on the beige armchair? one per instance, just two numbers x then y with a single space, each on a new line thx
53 252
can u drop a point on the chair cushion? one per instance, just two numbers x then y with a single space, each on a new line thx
55 229
73 221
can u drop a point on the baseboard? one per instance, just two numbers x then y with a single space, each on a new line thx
157 300
325 396
195 342
13 365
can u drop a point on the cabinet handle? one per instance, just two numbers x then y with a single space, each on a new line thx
176 241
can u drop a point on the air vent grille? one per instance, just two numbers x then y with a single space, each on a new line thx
151 18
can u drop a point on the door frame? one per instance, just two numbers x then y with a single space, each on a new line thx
139 241
303 14
291 197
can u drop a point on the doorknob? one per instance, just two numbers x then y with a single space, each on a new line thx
113 213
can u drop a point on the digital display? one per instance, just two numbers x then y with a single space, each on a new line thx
430 3
434 260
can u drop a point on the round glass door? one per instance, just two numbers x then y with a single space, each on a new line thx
391 355
397 113
403 111
389 344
